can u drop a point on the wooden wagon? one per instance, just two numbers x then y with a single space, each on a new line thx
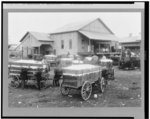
129 63
21 71
51 61
82 76
108 70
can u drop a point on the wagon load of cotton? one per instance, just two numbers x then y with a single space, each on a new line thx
81 69
32 64
91 60
104 61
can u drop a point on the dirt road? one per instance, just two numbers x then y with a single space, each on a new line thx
124 91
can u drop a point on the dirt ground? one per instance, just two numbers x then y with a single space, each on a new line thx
124 91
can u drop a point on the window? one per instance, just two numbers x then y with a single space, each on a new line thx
70 44
62 44
82 43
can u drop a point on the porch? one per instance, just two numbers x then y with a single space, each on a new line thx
43 49
97 43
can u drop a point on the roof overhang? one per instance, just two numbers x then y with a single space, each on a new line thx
99 36
130 42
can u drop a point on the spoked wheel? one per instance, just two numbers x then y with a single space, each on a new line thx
42 85
64 90
102 84
15 81
132 66
86 90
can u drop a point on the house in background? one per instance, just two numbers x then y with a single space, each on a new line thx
83 38
131 42
11 49
35 43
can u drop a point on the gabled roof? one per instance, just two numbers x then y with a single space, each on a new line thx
38 35
77 26
99 36
131 39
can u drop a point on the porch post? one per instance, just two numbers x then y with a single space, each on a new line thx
99 47
109 48
39 50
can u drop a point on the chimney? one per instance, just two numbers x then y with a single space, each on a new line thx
130 34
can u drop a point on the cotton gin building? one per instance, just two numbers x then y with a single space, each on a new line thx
84 38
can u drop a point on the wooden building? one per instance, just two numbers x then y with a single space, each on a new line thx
11 49
83 38
132 42
36 43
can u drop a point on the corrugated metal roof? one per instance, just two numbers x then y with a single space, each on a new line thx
130 39
41 36
72 26
78 25
38 35
99 36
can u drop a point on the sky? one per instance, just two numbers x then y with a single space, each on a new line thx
121 23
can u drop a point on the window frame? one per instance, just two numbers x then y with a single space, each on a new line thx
62 44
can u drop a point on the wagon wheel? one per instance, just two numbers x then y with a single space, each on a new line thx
15 82
132 65
43 83
102 84
64 90
86 90
113 75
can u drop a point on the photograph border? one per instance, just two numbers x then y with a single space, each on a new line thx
146 36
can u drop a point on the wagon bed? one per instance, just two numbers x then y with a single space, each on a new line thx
15 67
81 75
21 71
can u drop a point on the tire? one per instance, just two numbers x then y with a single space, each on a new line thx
15 81
86 90
102 84
64 90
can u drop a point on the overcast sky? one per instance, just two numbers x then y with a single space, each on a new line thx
121 23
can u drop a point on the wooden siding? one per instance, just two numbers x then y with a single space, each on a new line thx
66 37
29 42
82 47
96 26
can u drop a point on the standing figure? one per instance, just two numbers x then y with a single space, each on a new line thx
39 78
24 77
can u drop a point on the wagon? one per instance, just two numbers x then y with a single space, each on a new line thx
82 76
108 70
130 63
51 61
21 71
62 62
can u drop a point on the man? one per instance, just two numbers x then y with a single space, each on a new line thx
58 74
